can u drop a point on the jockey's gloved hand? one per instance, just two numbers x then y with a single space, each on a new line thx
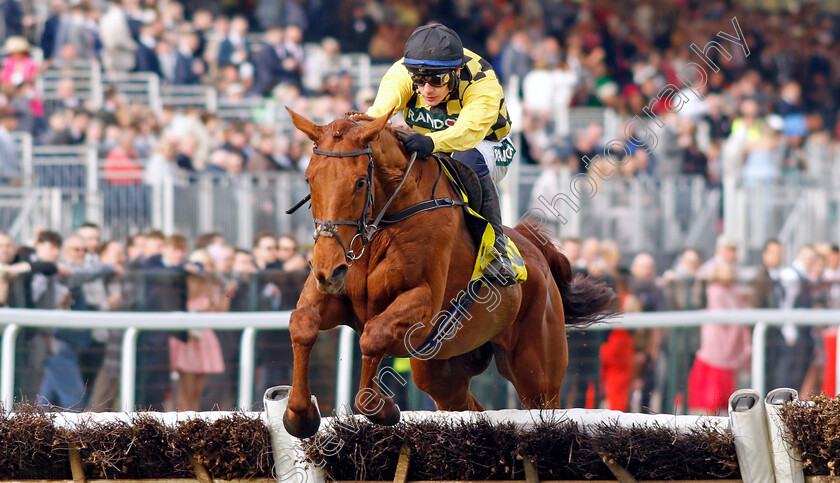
418 143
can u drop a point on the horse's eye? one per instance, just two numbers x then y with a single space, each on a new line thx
306 178
361 183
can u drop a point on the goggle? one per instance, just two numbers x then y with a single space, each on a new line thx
435 80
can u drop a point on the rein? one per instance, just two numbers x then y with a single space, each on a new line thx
365 229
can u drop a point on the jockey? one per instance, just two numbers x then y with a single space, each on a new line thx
454 101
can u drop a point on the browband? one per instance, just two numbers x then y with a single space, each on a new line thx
340 154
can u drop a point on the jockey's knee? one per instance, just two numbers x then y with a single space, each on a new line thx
475 160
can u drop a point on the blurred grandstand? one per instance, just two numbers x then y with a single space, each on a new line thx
177 123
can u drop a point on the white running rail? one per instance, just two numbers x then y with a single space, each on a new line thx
252 322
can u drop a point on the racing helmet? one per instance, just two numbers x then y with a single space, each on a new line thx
432 54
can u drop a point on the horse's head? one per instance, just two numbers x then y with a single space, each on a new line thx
340 179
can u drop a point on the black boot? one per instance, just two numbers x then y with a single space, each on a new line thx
500 270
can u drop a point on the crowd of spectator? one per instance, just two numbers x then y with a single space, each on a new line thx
768 111
758 117
680 369
631 369
205 49
80 368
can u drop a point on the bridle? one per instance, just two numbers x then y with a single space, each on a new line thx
366 229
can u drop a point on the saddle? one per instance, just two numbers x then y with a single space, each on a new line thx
465 177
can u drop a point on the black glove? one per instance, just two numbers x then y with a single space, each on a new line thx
420 144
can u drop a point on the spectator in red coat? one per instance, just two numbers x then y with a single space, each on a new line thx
724 349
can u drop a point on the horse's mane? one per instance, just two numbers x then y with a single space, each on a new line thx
358 116
361 117
393 175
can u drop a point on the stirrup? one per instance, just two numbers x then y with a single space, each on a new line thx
500 271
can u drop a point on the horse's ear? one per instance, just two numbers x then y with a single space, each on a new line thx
306 126
368 132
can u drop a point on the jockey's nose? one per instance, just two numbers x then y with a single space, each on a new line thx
339 273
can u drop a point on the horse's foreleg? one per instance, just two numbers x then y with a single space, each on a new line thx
383 333
301 418
370 401
314 313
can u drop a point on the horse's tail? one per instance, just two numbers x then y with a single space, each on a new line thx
584 301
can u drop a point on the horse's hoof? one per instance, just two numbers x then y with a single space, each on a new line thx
302 426
389 416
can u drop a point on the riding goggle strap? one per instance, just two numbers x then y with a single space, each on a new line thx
435 80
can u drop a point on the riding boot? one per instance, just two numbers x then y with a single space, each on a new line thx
500 268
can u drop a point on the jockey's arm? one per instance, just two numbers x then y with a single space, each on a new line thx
394 91
479 114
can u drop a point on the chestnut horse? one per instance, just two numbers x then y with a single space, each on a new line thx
384 282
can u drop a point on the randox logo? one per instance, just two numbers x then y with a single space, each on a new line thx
424 118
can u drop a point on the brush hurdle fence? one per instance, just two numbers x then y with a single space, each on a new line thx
763 451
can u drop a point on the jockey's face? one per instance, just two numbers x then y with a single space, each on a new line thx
434 95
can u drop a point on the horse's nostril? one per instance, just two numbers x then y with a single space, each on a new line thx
339 272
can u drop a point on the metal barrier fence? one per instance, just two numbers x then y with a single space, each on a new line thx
251 323
637 213
236 206
201 97
24 209
117 197
132 322
815 217
145 292
138 87
85 77
88 82
60 181
582 117
797 211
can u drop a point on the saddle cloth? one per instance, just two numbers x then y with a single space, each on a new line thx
480 228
